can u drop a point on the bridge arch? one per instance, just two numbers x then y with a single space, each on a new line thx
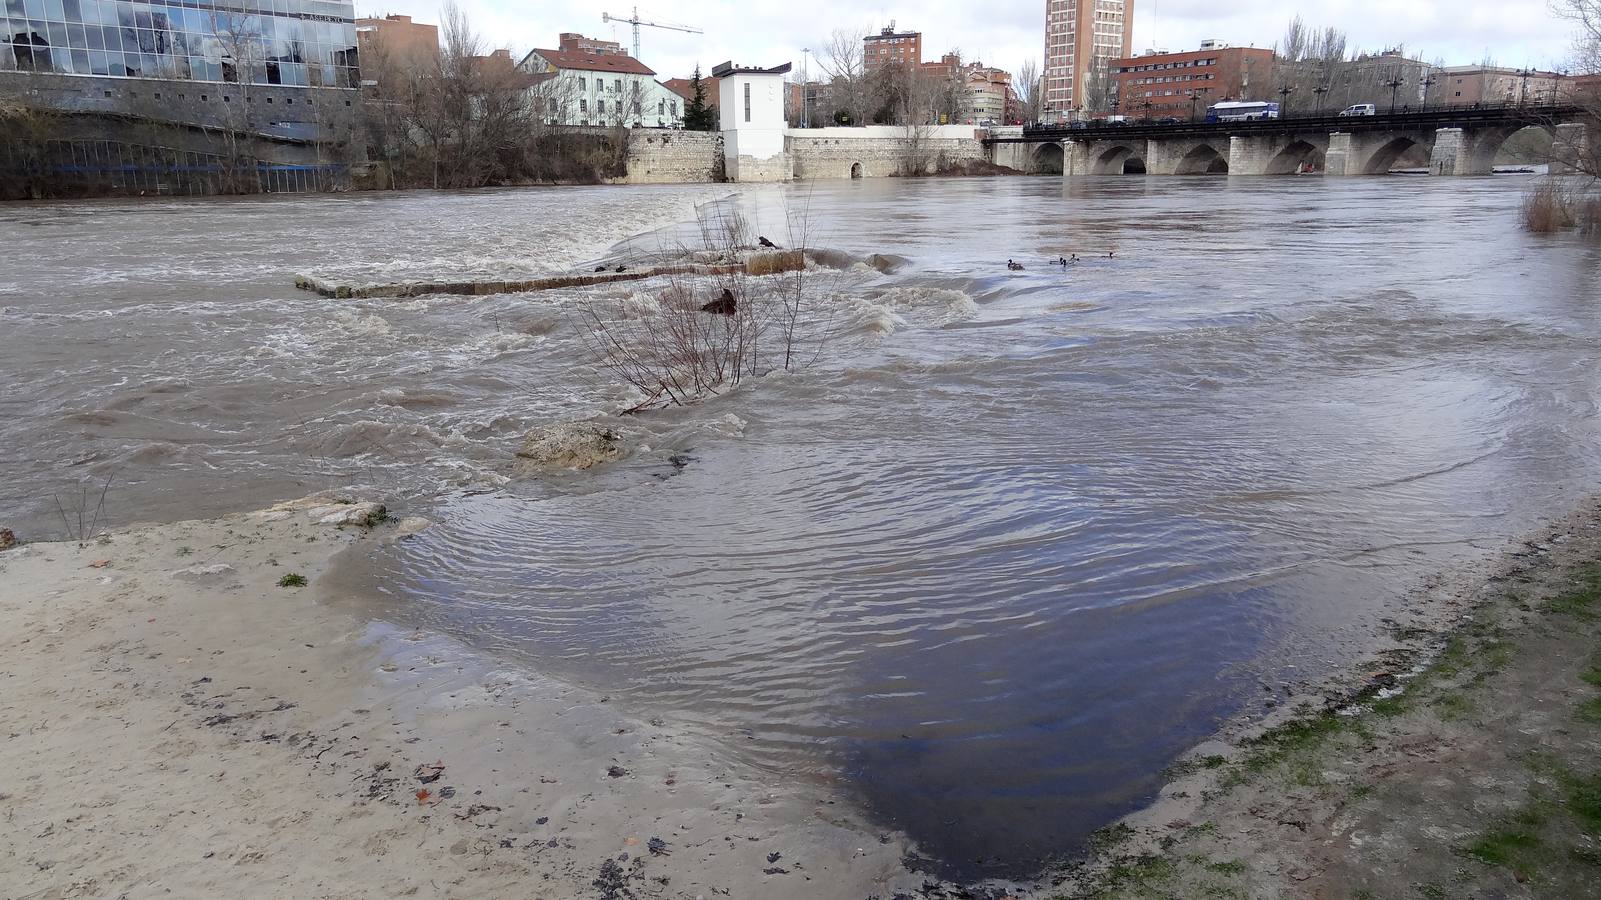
1119 159
1296 154
1384 158
1047 158
1490 142
1203 159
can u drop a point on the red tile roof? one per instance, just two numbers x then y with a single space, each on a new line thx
685 87
595 62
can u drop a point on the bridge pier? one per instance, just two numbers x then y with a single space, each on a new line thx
1570 151
1076 159
1455 154
1251 155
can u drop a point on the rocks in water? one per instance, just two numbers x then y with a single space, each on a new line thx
365 515
409 526
329 509
724 305
8 539
571 445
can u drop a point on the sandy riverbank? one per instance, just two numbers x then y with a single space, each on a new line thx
1461 763
175 723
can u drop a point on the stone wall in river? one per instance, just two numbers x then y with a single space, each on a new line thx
678 157
878 151
674 157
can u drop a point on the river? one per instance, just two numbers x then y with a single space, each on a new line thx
1013 543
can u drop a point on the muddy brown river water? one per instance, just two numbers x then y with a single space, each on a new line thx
1013 544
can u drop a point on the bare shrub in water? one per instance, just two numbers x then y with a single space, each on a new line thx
747 313
1547 208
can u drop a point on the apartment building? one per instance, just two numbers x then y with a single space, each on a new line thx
1184 84
1080 37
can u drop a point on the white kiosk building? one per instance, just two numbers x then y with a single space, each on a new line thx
751 105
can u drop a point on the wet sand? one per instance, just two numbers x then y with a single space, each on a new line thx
176 723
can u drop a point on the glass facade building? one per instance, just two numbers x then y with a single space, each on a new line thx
309 43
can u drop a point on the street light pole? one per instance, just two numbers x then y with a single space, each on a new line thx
1428 82
1320 90
1284 98
1394 84
806 98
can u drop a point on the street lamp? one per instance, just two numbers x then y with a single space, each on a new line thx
1523 89
1193 97
1428 82
1394 84
1320 90
1284 98
806 92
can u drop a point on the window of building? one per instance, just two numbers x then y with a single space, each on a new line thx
583 84
600 106
747 101
661 107
617 85
583 105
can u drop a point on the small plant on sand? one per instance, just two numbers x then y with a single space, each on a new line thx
293 579
81 514
185 551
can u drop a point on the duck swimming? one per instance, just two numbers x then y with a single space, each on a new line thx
1014 266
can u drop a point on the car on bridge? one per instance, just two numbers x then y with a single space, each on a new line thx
1360 109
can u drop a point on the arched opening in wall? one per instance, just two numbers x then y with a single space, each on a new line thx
1520 150
1048 159
1399 153
856 170
1118 160
1203 160
1300 157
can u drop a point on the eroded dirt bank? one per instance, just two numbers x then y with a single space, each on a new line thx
1466 764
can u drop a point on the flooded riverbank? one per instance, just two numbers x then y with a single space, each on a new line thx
1021 540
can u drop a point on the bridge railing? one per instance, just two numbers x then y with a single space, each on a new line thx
1435 115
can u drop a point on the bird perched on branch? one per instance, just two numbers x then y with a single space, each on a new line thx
724 305
766 243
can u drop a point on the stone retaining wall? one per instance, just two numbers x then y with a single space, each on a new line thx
674 157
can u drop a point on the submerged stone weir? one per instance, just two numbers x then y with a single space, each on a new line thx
755 264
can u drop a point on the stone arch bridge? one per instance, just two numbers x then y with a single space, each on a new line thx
1457 141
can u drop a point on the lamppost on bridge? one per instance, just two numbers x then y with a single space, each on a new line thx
1428 82
1193 97
1523 86
1284 98
1320 90
1394 84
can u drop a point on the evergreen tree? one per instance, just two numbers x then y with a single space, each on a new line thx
698 116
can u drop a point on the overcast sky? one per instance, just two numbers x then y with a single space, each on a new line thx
1006 32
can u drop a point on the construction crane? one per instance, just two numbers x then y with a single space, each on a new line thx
636 21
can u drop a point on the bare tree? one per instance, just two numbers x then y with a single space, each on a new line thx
728 313
1586 16
1027 87
1099 91
843 61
